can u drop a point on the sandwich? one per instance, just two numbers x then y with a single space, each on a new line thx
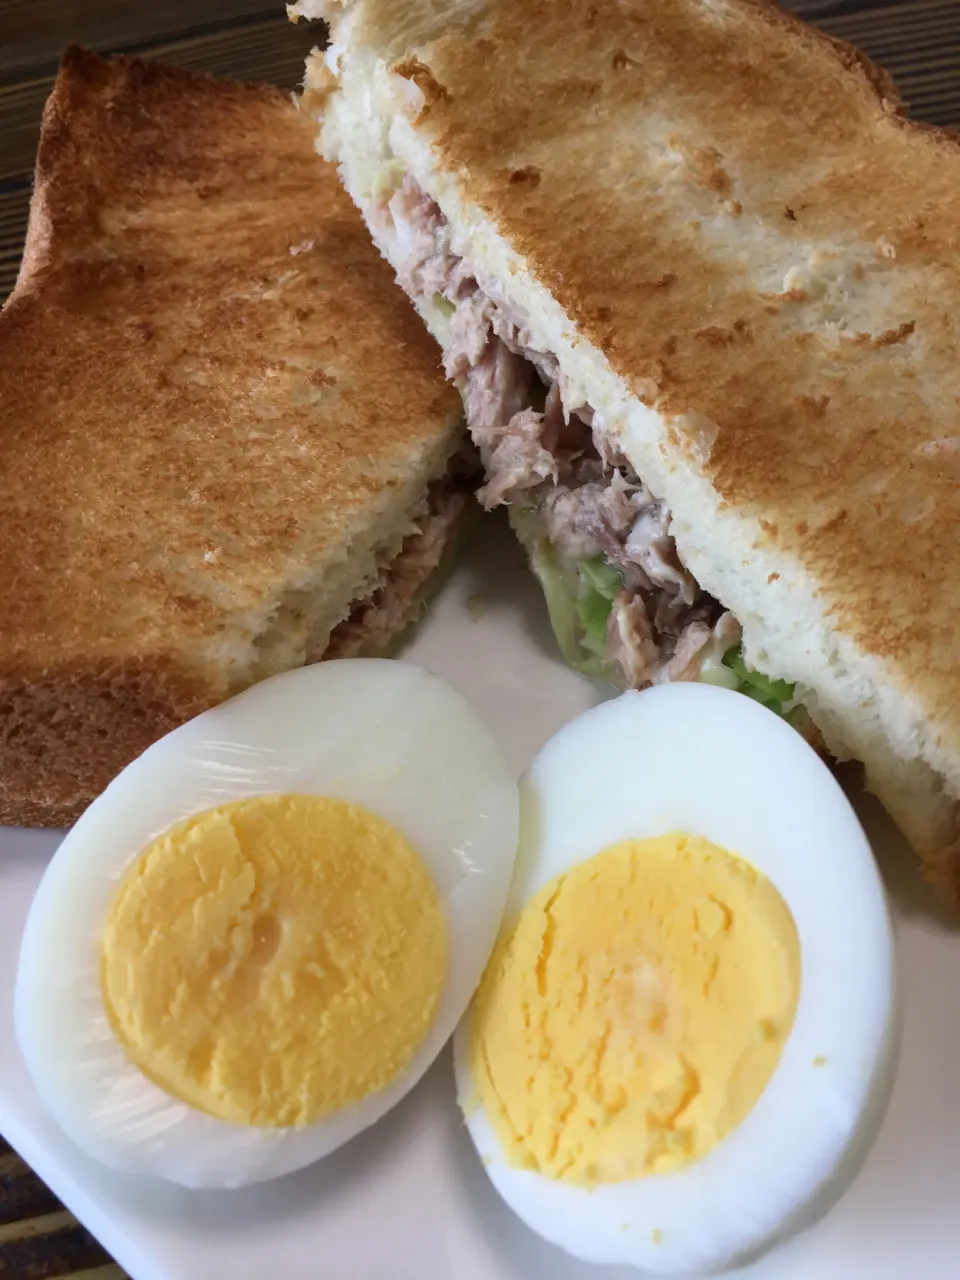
695 275
228 447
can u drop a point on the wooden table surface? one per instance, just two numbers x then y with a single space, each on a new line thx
917 40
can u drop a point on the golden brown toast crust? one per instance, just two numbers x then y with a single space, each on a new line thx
207 377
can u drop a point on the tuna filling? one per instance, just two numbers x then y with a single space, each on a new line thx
623 606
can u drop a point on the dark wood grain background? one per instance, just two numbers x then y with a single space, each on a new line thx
917 40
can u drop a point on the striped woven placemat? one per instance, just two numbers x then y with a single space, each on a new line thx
38 1237
917 40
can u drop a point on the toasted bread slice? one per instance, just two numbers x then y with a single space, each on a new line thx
221 422
745 261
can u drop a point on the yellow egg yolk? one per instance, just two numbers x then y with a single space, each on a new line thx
635 1013
276 959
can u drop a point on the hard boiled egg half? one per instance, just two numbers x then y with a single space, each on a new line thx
259 937
684 1040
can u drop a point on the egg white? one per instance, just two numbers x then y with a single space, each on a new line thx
704 760
385 735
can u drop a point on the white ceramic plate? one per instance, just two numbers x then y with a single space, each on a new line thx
408 1200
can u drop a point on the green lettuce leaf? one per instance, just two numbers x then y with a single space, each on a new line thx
714 672
593 610
771 693
578 613
598 585
601 577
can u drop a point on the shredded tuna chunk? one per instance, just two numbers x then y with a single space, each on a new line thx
375 621
650 546
621 521
571 517
518 461
622 502
607 448
469 335
698 643
495 389
630 640
430 266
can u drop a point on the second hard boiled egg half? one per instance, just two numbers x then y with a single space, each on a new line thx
259 937
683 1043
